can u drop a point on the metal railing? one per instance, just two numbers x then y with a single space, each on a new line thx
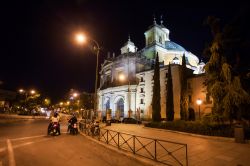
166 152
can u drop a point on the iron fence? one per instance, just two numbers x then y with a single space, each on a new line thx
166 152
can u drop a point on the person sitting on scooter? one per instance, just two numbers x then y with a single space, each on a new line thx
54 119
72 121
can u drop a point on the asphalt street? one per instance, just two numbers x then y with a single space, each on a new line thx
26 143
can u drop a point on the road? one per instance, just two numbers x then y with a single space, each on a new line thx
26 143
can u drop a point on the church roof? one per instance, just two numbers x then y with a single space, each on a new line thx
173 46
175 58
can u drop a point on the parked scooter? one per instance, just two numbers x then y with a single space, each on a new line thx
94 128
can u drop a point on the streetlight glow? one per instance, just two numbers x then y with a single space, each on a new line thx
32 92
21 90
80 38
199 101
75 94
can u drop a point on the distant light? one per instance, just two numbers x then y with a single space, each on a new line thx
21 90
42 110
61 103
75 94
32 92
199 101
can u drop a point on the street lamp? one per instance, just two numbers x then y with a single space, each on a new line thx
81 39
26 93
199 102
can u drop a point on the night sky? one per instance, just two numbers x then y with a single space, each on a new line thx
37 48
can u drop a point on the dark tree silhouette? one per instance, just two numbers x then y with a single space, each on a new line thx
156 100
169 97
184 96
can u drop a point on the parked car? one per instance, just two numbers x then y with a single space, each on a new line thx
115 121
131 121
104 119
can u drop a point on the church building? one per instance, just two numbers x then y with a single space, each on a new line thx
126 81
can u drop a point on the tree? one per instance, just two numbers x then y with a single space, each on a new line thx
87 100
184 96
169 97
156 105
223 85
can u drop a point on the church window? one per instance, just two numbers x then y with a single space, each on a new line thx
141 90
150 40
141 79
160 39
142 101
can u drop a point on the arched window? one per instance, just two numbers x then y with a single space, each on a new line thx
120 107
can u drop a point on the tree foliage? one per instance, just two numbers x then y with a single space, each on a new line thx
223 84
184 95
169 97
156 105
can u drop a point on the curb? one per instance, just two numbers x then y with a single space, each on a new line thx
144 161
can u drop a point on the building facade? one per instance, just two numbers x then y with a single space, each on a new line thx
126 81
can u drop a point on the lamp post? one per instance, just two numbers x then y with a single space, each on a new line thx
81 38
199 102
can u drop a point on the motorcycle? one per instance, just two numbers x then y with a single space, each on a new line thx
73 129
54 129
95 129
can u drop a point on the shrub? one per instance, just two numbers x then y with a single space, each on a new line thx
191 114
211 129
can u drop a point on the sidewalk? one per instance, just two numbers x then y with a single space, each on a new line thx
202 151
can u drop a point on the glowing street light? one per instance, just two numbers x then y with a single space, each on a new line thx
199 102
75 94
26 93
32 92
81 39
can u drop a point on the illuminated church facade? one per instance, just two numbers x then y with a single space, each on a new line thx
126 81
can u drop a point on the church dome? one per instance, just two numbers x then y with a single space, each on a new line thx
173 46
